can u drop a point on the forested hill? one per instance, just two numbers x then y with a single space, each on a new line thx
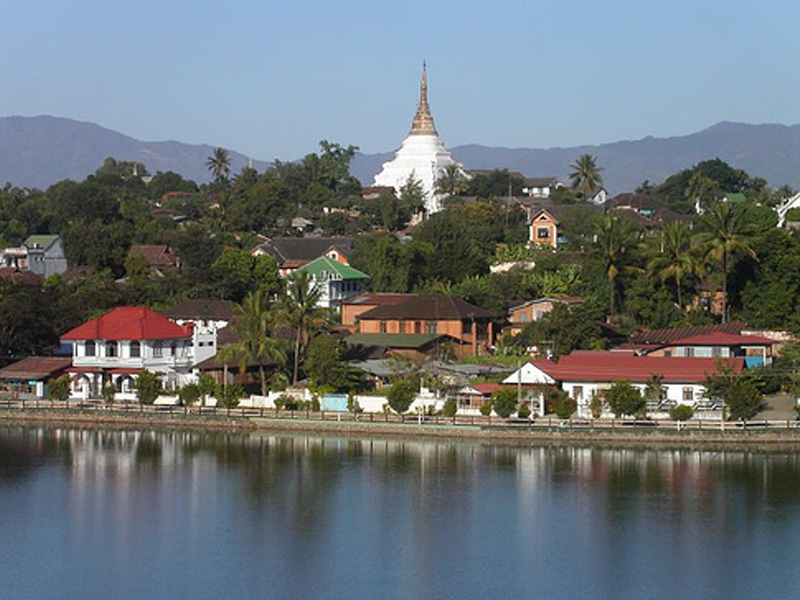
38 151
768 151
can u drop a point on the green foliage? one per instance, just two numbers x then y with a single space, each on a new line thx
498 183
681 412
625 399
402 394
596 403
109 391
189 394
58 389
742 397
27 313
147 387
504 402
566 328
585 175
239 273
450 408
565 407
391 265
524 410
486 408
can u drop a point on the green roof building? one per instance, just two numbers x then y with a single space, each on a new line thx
336 281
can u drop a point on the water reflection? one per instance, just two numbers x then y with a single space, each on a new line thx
178 514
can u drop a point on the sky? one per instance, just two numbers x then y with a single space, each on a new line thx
272 78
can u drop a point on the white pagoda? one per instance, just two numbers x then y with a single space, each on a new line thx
421 156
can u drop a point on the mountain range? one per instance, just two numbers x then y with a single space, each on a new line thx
39 151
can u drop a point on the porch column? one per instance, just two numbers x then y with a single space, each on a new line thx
490 339
474 337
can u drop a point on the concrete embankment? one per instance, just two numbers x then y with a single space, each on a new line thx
773 438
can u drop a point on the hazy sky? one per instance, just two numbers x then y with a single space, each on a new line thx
271 79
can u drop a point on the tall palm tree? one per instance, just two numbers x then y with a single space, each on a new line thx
255 320
677 261
616 238
302 298
585 174
701 191
219 164
729 231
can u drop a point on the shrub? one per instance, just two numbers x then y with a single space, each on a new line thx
315 405
190 393
148 387
229 396
450 408
625 399
486 408
401 395
681 412
58 389
504 402
565 407
596 405
109 391
524 410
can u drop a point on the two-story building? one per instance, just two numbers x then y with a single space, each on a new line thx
334 280
40 254
294 252
522 314
468 326
543 230
114 348
207 318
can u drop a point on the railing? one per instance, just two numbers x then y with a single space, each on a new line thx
549 423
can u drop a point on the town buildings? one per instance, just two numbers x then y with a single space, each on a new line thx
40 254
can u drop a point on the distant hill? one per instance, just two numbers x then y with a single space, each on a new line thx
38 151
768 151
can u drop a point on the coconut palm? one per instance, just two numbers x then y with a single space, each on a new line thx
701 191
585 174
304 315
255 320
677 260
451 182
219 164
729 232
616 238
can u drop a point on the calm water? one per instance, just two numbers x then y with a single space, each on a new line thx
110 515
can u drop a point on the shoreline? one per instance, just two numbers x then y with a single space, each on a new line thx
753 439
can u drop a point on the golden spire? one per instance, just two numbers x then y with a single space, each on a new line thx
423 121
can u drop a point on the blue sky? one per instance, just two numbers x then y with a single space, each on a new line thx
270 79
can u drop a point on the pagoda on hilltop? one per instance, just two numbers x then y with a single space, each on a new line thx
422 156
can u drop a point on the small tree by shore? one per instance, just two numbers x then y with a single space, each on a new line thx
58 389
147 386
625 399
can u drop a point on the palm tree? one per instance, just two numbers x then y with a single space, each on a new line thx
729 231
255 320
451 182
701 191
616 237
677 260
585 174
219 164
302 298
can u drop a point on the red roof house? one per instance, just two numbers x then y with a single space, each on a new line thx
129 323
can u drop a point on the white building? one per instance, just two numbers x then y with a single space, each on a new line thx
422 156
114 348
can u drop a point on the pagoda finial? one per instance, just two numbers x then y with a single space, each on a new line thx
423 120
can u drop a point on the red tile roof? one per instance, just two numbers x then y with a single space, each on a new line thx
36 368
486 389
432 307
664 336
613 366
129 323
718 338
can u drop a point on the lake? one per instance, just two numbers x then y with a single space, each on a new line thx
106 515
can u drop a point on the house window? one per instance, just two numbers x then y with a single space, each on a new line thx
538 315
430 327
158 350
417 326
111 349
667 353
689 352
523 317
136 350
90 349
716 351
382 327
402 326
542 233
688 394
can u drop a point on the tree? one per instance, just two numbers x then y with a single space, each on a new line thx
625 399
301 300
255 319
616 238
702 191
676 261
451 181
729 232
219 164
402 394
189 393
148 387
742 398
58 389
504 401
585 175
109 392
